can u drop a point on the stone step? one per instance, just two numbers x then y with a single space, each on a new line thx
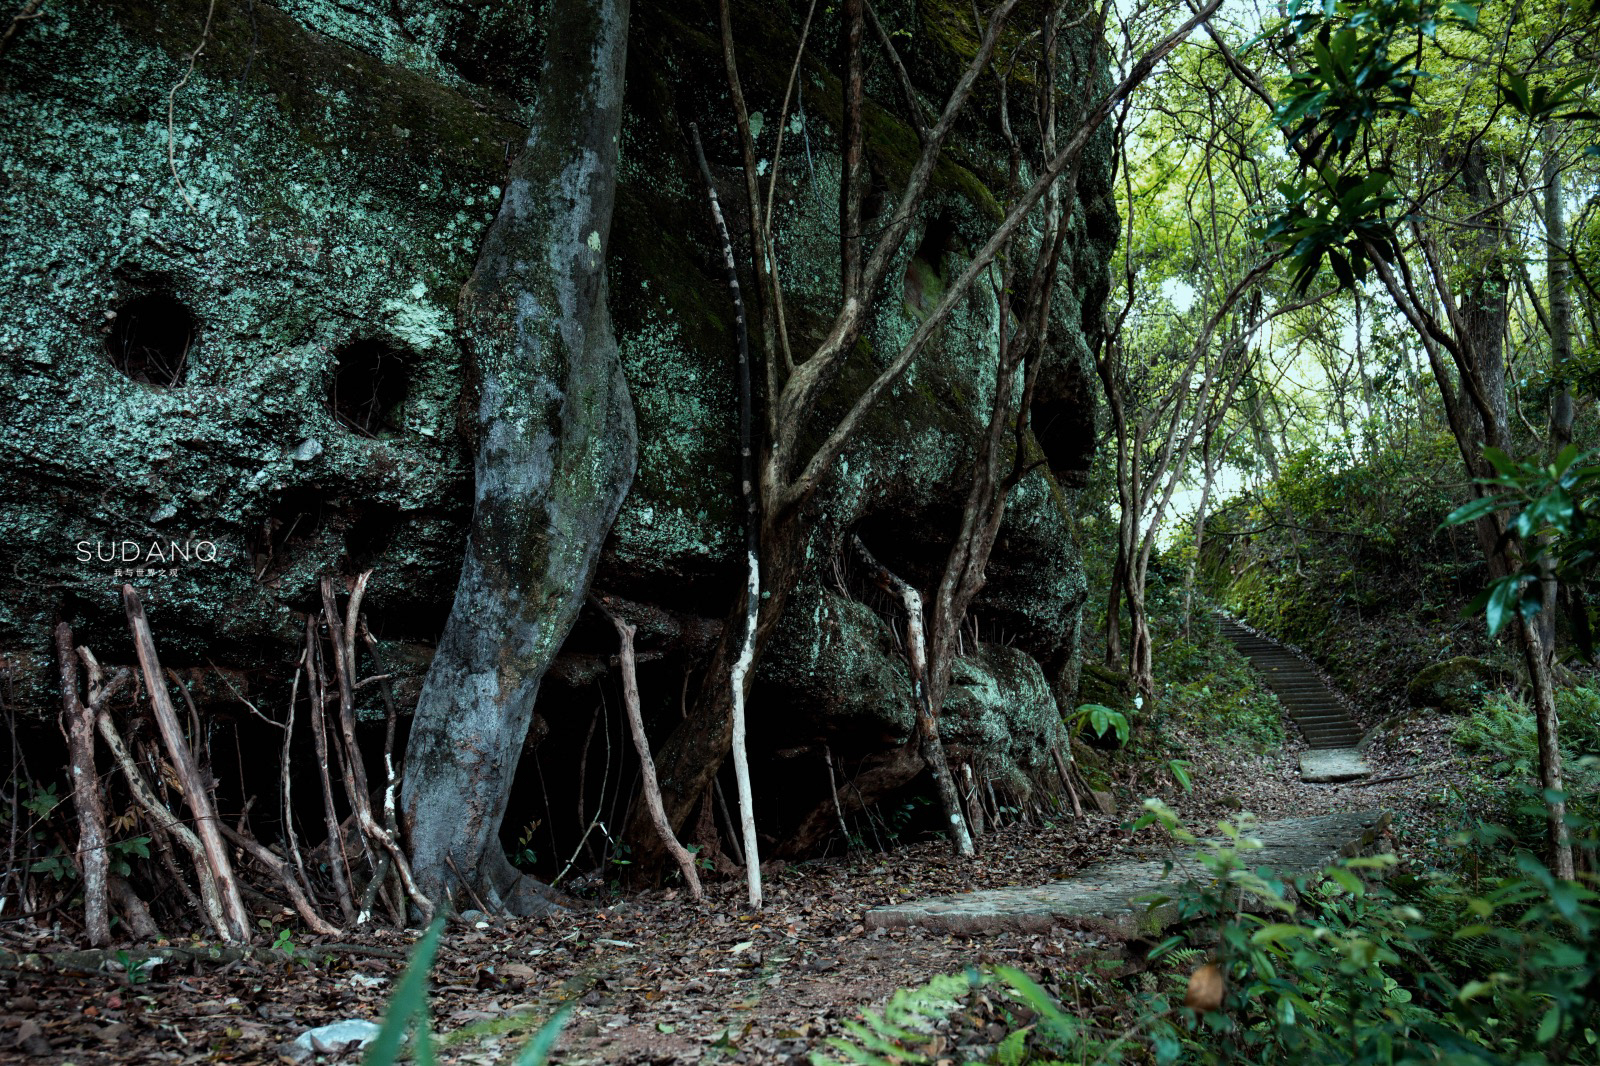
1333 764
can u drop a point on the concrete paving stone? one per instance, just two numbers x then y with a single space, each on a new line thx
1115 897
1333 764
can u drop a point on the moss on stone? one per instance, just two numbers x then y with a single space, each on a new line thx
1455 686
339 164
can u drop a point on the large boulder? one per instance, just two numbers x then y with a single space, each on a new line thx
234 331
1455 686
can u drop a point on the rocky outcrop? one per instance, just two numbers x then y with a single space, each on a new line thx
233 364
1455 686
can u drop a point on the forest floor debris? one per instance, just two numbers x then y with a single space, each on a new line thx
657 978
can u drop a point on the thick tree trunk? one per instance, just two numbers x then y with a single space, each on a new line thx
556 448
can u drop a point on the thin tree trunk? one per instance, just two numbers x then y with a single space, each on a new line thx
1560 295
929 742
1537 659
555 455
738 678
92 837
1208 474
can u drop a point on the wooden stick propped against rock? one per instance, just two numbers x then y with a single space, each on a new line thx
195 794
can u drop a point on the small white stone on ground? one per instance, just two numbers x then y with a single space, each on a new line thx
329 1039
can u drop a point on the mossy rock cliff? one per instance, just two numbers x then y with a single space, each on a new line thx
233 327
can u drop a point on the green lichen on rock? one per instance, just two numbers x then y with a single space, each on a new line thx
336 167
836 670
1102 685
303 220
1000 713
1455 686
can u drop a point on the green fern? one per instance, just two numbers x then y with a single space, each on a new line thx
1180 958
908 1022
406 1016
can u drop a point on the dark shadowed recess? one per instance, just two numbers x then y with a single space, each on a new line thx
151 339
367 390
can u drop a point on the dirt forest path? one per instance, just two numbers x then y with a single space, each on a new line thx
657 978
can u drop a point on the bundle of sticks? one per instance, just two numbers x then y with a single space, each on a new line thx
361 867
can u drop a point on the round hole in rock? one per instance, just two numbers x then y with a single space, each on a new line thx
368 386
151 339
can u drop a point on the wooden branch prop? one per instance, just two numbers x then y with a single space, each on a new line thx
391 781
472 893
166 824
833 791
352 770
195 793
302 904
931 745
286 804
286 792
974 803
752 541
78 725
134 912
343 636
1066 779
647 765
727 819
317 688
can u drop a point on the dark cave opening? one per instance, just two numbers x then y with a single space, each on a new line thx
150 339
296 515
368 387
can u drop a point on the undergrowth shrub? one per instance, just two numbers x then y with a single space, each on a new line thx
1345 971
407 1033
1504 734
1208 688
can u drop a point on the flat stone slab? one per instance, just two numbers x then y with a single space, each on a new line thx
1333 764
1107 896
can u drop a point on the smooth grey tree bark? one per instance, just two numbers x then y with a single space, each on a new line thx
556 453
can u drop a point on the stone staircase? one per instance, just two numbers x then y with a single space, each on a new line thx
1315 709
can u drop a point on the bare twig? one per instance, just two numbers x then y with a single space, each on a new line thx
918 115
29 12
195 792
166 823
833 790
317 686
647 765
302 904
342 634
92 836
